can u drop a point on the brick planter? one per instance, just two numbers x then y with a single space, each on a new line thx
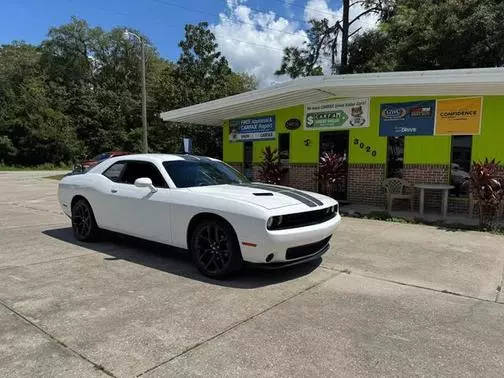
364 184
427 173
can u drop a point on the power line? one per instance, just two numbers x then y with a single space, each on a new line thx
218 15
239 21
307 8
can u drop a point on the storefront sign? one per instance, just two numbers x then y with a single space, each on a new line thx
250 129
292 124
337 114
407 118
459 116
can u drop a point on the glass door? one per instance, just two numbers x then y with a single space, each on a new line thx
337 142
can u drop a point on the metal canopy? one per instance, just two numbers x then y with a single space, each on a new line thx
464 82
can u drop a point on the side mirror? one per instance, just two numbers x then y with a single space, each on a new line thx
145 182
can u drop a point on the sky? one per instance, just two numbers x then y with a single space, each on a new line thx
251 33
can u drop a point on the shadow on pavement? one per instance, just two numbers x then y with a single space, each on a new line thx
178 261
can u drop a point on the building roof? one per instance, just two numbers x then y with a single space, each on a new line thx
462 82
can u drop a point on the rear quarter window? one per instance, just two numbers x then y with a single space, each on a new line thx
114 172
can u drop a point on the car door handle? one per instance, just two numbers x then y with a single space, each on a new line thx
114 190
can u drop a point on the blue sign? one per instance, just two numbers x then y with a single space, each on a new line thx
407 118
249 129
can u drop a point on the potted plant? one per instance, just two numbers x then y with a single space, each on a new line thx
270 169
487 190
332 168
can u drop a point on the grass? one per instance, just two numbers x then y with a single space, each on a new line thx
41 167
385 216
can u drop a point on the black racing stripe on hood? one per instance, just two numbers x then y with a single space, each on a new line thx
285 192
298 192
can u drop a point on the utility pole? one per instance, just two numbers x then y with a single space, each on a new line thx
344 37
144 103
127 35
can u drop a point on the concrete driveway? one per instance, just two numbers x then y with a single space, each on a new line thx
388 299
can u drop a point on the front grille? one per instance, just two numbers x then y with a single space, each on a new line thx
306 250
307 218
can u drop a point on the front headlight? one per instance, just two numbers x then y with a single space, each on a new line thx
274 222
270 222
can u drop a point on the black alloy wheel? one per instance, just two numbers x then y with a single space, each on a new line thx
83 221
215 249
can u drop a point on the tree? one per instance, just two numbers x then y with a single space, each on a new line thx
78 94
324 39
33 126
423 35
201 74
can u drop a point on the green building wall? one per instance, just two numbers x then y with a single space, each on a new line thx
417 150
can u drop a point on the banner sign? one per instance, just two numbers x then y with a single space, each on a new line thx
407 118
250 129
459 116
346 113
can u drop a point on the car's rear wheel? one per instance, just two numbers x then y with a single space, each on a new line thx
215 249
83 221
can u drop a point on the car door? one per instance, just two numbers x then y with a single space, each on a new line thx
139 211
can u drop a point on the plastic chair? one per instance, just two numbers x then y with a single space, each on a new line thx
394 189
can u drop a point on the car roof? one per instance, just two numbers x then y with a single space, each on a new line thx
162 157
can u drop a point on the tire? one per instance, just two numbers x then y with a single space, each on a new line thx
215 259
83 221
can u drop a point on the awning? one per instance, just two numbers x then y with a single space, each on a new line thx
463 82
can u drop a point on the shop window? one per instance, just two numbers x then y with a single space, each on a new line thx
248 149
284 147
395 156
460 164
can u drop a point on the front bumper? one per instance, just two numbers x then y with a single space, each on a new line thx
285 264
279 241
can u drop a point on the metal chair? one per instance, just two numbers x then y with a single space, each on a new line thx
394 189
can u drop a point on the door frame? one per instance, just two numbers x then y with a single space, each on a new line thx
336 132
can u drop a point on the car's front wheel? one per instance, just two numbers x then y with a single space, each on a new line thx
83 221
215 249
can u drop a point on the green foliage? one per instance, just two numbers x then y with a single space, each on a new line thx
432 34
487 189
78 94
328 42
411 35
270 169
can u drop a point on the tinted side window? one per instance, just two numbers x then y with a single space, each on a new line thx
114 171
137 169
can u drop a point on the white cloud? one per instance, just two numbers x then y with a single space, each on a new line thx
253 41
319 9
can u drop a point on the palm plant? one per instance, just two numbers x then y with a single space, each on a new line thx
332 168
270 169
487 189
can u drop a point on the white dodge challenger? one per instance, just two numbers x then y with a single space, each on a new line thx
203 205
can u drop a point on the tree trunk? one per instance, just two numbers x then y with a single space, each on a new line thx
344 36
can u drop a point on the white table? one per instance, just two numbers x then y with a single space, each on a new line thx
443 187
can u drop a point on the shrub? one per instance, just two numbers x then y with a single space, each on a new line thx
332 168
487 189
271 170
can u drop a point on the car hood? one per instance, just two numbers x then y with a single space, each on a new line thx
264 195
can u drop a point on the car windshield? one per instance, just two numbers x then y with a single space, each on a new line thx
187 174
